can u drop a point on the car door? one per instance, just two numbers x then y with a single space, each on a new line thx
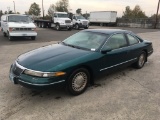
117 51
134 47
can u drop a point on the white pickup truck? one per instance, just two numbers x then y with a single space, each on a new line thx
15 25
80 22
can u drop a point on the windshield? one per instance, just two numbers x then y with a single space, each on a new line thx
62 15
87 40
80 17
18 18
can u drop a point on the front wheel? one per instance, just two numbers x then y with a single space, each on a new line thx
10 37
78 81
58 27
76 26
141 60
4 34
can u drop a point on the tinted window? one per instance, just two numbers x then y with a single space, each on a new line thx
115 42
132 40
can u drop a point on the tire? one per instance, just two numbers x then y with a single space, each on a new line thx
43 25
4 34
33 37
101 24
77 27
58 27
141 60
40 25
10 38
78 81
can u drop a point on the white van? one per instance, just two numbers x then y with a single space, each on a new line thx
15 25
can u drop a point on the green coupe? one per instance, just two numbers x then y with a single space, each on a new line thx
79 59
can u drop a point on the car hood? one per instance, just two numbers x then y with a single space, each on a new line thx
21 25
46 58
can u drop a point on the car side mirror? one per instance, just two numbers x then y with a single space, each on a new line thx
106 51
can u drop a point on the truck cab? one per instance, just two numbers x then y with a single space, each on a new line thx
15 25
80 22
61 20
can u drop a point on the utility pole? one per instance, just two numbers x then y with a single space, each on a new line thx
14 7
42 9
157 15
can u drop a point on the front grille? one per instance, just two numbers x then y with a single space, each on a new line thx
23 29
16 70
85 22
67 21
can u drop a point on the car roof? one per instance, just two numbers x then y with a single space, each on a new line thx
108 31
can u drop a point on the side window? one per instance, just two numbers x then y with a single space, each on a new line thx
132 40
115 42
55 15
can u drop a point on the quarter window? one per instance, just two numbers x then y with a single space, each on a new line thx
132 40
115 42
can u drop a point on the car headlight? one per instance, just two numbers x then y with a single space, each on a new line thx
43 74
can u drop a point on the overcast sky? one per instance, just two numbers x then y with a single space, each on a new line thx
149 6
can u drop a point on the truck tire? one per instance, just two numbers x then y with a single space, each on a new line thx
43 25
39 25
77 27
58 27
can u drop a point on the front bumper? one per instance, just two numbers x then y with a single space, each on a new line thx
83 26
34 82
22 34
66 26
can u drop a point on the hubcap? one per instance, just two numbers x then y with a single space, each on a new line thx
79 81
141 60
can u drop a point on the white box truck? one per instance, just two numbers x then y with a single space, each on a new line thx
103 17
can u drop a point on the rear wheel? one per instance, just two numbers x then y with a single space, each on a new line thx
78 81
141 60
39 25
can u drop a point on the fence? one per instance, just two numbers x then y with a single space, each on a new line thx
139 23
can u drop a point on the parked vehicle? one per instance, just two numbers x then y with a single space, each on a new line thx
15 25
58 21
80 22
103 17
79 59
